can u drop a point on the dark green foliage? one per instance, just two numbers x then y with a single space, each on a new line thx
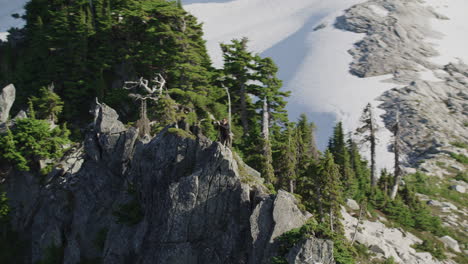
31 140
341 154
48 105
89 50
129 213
432 246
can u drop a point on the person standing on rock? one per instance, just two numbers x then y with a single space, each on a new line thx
224 129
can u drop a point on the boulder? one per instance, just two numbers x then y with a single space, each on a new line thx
7 98
450 243
352 204
312 250
458 188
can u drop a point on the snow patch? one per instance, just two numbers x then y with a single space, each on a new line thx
379 10
452 47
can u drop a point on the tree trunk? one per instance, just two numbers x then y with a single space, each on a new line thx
265 121
244 119
229 109
373 145
396 149
331 220
291 186
361 211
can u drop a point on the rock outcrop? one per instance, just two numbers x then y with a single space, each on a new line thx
430 98
7 97
173 200
387 242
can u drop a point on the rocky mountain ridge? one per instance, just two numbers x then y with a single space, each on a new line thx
177 198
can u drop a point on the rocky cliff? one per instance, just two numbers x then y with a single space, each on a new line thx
430 97
177 198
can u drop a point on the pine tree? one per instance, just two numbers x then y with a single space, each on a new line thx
286 159
48 105
361 172
272 105
239 67
329 186
338 148
368 131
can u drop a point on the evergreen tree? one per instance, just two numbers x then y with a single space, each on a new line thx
286 159
329 186
368 131
361 172
48 105
239 70
338 148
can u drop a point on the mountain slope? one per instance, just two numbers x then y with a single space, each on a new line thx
177 198
312 50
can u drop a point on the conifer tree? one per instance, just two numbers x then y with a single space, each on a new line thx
368 131
338 148
48 105
359 166
329 186
239 67
272 105
286 159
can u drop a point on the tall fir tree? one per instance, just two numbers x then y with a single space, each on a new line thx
338 148
368 132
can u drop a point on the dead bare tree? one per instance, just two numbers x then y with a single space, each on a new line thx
153 92
396 150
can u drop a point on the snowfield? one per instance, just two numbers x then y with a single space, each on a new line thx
453 46
311 53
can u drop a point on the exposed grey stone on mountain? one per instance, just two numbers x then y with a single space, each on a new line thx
397 42
172 200
7 97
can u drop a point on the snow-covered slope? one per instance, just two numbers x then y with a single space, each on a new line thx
395 44
311 52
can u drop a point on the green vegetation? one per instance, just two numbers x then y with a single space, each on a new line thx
459 157
89 51
30 140
459 144
436 248
181 133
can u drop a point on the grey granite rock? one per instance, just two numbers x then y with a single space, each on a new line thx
7 98
312 250
188 201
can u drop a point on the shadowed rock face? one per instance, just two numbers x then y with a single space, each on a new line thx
194 200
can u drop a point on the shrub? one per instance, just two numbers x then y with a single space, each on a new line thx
31 140
432 246
459 157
